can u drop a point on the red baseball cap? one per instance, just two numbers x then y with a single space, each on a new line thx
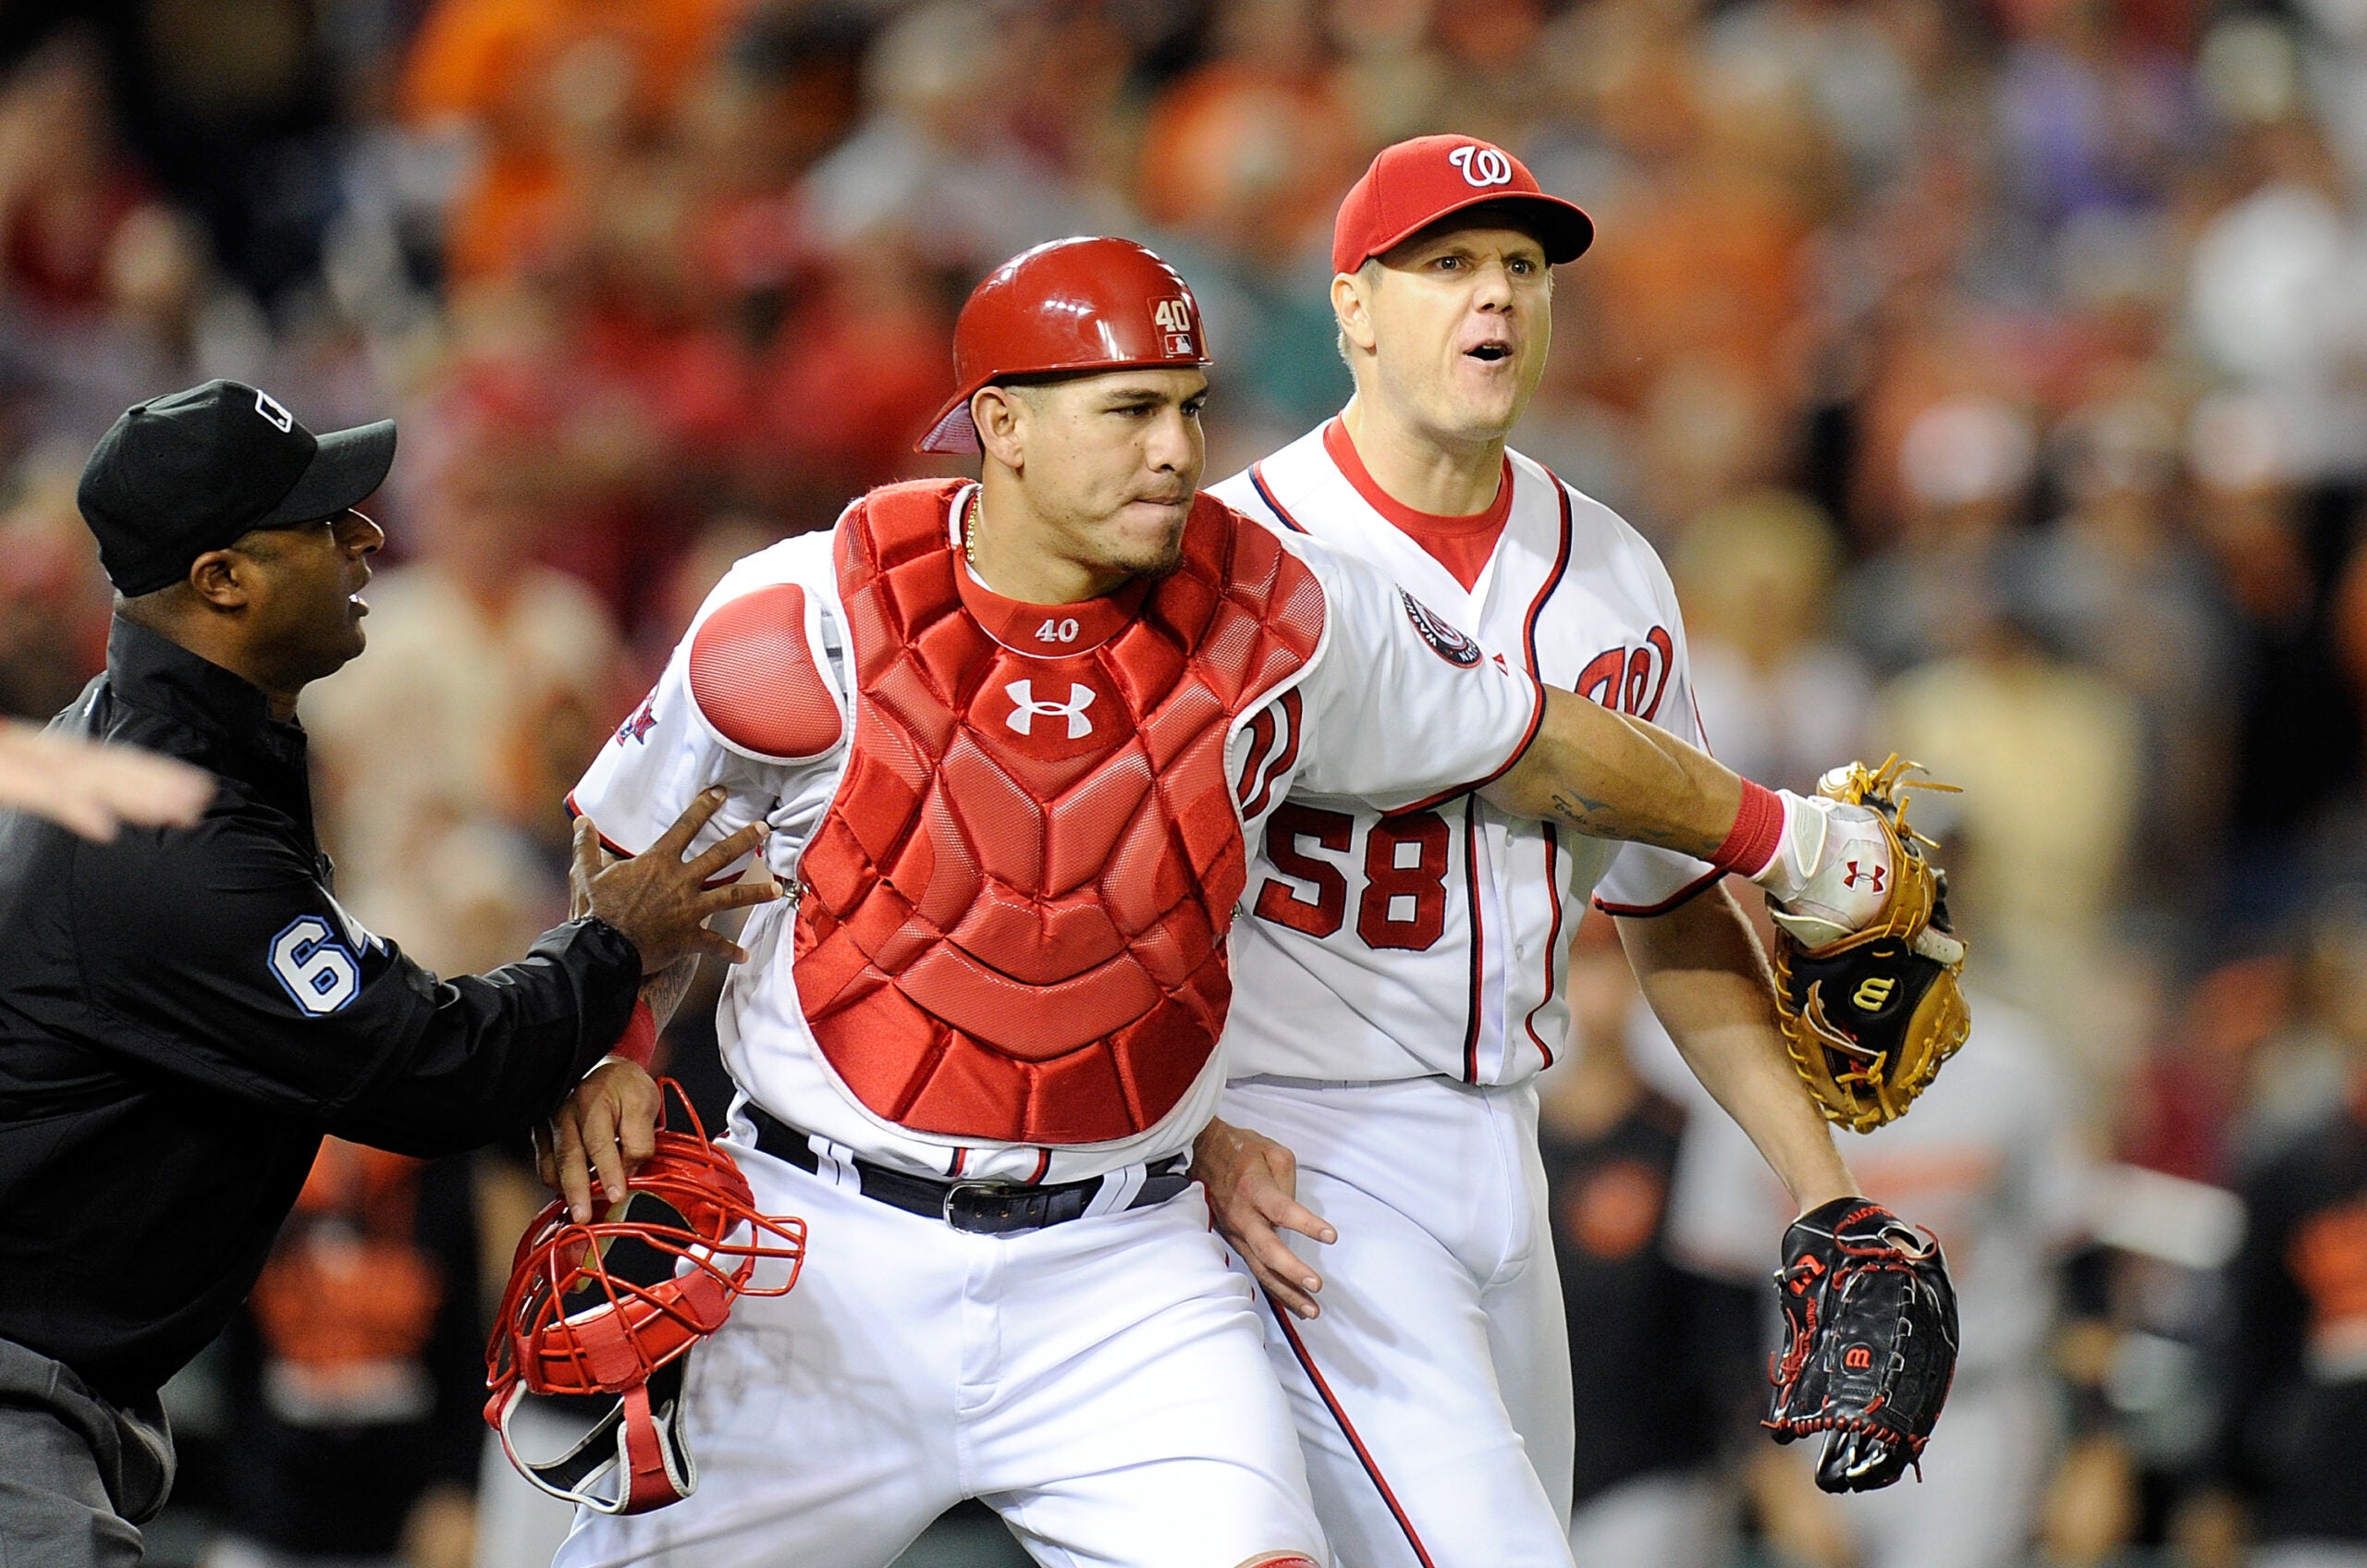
1081 306
1414 184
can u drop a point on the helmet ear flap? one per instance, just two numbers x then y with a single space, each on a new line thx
613 1307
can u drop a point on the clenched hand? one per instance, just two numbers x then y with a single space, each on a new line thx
605 1129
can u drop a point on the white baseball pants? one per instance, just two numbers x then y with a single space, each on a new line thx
1432 1395
1099 1384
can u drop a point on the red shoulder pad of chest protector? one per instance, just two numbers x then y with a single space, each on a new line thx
755 682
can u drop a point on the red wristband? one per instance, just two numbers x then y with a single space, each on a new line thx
1758 832
638 1044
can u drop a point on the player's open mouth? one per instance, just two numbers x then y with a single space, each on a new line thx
1489 353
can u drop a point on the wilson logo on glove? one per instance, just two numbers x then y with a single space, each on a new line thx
1906 1013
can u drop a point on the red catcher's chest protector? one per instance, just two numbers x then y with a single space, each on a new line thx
1013 922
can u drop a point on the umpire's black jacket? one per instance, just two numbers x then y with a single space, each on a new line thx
184 1012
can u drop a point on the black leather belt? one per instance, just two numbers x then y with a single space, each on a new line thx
990 1209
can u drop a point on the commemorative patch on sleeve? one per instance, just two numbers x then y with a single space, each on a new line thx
1445 640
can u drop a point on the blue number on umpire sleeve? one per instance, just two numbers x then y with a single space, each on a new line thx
316 970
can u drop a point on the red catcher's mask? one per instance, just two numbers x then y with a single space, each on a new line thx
611 1307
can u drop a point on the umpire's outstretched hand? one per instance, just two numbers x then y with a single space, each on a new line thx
659 900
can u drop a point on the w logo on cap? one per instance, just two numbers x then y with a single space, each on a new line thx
268 405
1482 165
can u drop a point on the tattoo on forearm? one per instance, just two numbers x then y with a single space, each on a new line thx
664 990
1580 810
1603 820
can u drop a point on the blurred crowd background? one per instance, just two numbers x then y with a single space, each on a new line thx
1993 374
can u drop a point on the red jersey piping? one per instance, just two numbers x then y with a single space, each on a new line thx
1348 1430
1478 939
1553 836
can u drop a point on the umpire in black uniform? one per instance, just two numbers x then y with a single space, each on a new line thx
185 1011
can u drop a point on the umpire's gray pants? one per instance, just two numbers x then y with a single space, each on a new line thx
77 1474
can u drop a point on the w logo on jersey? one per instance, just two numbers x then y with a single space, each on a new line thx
1630 680
1030 709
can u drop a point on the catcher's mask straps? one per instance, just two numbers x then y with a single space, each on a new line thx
640 1437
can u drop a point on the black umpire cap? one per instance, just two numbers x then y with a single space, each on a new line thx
179 475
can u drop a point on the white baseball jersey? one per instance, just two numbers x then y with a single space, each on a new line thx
1434 942
1394 711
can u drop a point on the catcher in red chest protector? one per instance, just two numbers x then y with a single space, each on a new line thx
1008 740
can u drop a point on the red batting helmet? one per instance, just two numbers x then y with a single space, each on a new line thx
611 1307
1078 305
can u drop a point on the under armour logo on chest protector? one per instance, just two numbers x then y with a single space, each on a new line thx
1014 920
1023 718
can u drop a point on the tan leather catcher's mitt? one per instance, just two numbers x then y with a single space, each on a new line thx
1869 1018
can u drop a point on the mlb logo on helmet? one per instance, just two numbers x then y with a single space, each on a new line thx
1173 318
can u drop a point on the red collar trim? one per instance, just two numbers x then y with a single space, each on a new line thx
1420 524
1044 632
